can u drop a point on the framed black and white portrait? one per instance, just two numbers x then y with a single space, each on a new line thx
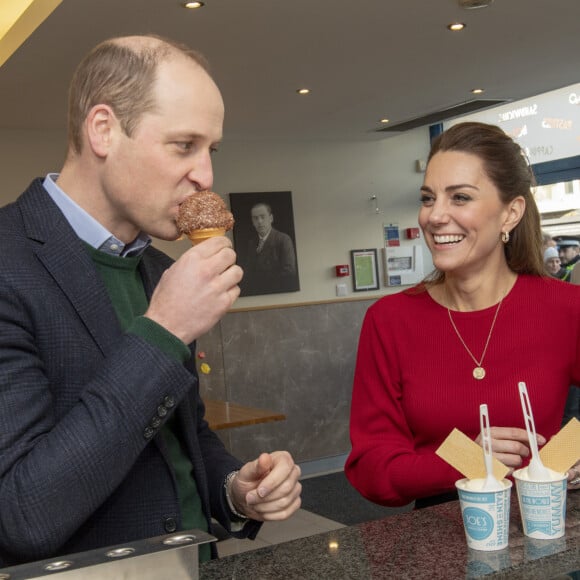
265 242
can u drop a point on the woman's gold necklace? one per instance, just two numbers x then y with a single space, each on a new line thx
478 371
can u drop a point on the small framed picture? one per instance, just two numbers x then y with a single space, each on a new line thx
365 270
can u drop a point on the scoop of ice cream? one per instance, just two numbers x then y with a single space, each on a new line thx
203 210
477 484
525 475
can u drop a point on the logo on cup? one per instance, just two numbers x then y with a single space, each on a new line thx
479 524
535 501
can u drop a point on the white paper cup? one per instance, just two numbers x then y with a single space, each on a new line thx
542 506
485 514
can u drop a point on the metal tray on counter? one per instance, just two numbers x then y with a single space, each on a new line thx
174 556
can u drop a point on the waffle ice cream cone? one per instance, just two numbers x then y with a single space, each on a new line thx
198 236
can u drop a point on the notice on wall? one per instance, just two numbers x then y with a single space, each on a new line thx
403 265
392 235
547 127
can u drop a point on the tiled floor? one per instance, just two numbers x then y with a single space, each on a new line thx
301 525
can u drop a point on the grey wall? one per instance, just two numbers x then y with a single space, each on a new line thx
296 360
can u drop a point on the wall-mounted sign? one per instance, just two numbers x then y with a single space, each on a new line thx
546 126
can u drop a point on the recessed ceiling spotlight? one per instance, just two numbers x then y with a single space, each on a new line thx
384 120
471 4
303 91
456 26
477 91
193 5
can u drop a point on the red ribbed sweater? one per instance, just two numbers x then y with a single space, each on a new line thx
413 381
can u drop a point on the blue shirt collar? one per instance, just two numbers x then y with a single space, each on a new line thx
88 228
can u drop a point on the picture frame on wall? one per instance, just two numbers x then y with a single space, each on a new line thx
265 242
365 270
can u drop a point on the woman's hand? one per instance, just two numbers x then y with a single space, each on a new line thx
510 445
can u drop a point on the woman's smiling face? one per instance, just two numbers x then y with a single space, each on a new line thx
462 215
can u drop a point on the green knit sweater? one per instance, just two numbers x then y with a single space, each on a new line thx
125 287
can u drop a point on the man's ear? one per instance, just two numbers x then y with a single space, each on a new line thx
100 125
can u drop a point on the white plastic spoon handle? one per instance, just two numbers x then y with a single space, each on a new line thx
491 482
485 436
528 418
536 469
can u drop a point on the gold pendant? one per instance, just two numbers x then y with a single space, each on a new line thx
478 373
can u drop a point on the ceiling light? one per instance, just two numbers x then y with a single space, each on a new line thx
456 26
193 5
384 120
18 20
477 91
470 4
303 91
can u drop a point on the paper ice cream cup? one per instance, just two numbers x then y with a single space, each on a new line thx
542 505
198 236
485 514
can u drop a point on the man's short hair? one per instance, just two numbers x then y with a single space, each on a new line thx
120 72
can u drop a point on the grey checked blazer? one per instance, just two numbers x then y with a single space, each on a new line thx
81 466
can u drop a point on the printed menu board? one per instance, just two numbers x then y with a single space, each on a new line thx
546 126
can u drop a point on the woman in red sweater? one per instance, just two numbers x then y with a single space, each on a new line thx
485 319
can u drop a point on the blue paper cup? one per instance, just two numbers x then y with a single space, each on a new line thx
542 506
485 514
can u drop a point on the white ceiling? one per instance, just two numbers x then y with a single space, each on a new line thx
363 59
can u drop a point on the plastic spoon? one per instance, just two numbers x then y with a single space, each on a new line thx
536 469
491 482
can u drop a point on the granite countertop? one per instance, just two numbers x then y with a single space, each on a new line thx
428 543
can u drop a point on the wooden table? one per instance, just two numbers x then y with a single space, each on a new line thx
224 415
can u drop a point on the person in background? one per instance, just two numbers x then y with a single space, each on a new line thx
569 252
103 437
552 263
429 356
270 264
548 241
